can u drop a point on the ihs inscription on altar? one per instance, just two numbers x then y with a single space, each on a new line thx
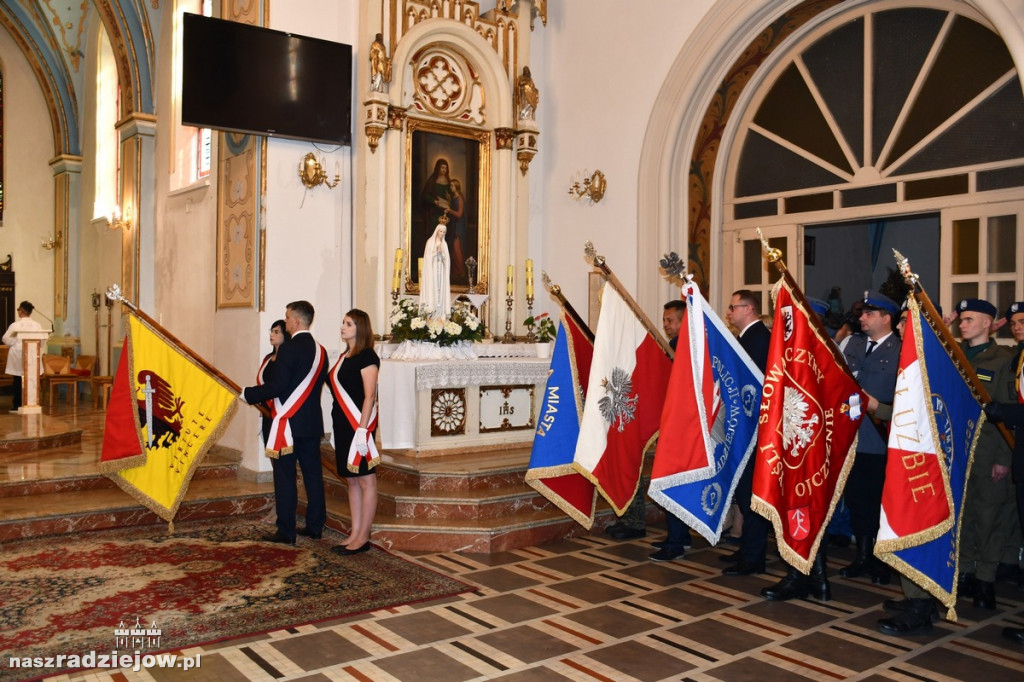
507 408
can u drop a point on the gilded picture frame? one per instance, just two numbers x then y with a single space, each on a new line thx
463 194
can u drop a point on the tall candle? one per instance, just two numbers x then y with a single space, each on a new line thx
509 287
396 278
529 278
419 272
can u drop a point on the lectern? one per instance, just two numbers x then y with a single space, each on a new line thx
31 345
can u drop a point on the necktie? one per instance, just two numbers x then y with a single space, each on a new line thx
871 347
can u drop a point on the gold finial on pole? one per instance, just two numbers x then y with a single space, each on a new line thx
904 267
553 288
591 254
770 254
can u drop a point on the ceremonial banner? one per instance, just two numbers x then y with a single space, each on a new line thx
550 471
709 422
625 393
935 426
807 434
165 412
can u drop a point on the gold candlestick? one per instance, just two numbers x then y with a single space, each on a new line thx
509 337
530 336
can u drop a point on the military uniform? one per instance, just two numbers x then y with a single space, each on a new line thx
985 532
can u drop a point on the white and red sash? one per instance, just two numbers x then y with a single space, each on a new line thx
280 441
354 416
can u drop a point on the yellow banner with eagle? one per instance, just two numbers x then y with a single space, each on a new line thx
166 410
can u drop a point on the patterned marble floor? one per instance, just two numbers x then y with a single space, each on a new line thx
592 608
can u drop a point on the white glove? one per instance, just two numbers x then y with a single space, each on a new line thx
361 439
241 397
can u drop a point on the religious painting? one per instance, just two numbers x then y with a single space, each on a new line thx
447 175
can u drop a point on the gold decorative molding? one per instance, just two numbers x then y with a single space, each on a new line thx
504 138
396 118
445 85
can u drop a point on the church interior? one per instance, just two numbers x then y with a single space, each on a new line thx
131 155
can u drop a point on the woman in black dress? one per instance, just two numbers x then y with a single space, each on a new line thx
278 335
353 382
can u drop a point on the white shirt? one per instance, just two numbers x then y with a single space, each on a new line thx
14 358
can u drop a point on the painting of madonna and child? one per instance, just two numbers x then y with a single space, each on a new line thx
448 178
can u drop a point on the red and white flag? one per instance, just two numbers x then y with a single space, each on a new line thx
807 433
625 393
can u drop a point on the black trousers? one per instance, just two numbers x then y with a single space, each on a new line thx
286 496
754 540
863 493
16 402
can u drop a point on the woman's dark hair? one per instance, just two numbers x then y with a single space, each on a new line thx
364 332
279 324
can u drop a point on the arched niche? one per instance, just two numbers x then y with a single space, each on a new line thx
681 181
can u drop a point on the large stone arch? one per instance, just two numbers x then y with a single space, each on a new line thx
132 42
678 186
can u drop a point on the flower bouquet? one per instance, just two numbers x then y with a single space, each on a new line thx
410 323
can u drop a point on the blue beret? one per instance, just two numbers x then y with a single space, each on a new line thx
1016 307
976 305
819 306
876 301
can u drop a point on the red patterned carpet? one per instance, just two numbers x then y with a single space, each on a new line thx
207 581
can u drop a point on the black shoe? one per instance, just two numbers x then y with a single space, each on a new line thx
629 533
916 620
614 528
666 554
1014 634
342 550
985 595
307 533
864 562
901 605
793 586
880 574
817 582
278 538
966 585
742 567
731 558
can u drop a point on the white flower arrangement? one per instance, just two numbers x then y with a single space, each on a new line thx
410 322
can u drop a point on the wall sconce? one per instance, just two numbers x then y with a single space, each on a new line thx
591 187
51 243
116 222
312 173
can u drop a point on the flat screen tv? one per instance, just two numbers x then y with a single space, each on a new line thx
244 78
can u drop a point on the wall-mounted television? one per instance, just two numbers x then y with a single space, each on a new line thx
244 78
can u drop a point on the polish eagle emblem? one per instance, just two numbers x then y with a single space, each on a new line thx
617 405
797 427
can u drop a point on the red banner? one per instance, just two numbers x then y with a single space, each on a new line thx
807 432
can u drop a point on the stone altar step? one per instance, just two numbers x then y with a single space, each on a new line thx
81 499
477 502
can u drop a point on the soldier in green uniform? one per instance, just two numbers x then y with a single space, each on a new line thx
989 488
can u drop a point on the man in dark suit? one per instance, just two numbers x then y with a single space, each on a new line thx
874 359
298 425
745 315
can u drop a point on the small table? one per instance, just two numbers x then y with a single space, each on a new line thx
100 388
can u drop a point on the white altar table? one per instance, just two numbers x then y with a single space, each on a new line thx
433 405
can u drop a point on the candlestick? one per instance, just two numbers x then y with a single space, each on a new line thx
397 277
530 336
529 278
509 337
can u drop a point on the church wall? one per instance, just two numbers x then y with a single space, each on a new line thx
602 70
28 148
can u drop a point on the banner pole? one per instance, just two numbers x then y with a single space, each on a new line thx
953 348
600 263
556 291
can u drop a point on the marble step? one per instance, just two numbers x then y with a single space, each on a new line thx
66 512
54 472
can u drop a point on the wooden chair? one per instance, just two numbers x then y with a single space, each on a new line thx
57 372
83 370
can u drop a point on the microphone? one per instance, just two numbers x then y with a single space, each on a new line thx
36 310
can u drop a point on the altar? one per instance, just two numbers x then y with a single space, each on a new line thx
433 407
